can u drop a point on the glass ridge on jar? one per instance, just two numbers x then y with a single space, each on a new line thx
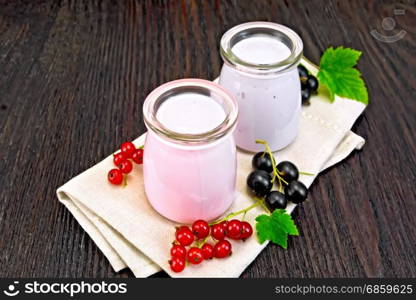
190 161
260 70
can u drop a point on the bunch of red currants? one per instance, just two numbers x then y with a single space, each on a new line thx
199 249
122 161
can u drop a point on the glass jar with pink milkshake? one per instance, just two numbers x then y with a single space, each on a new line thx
260 70
190 155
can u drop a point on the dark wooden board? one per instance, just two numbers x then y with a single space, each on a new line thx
74 74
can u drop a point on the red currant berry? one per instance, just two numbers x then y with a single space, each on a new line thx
177 264
195 255
137 156
118 158
207 251
178 251
184 236
128 149
218 232
200 228
234 228
246 230
126 166
115 176
224 225
222 249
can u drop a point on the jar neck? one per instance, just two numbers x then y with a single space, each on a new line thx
209 90
279 33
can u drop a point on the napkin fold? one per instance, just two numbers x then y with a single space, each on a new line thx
131 234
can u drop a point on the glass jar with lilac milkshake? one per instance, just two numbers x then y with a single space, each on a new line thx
260 70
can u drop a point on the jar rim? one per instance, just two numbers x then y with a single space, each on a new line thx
286 35
152 103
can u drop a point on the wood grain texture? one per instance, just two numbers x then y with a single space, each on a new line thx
74 74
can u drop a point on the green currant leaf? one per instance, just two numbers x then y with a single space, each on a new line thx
275 227
338 74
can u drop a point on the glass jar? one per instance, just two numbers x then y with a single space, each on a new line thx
260 70
190 160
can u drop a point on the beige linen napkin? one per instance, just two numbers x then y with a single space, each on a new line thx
131 234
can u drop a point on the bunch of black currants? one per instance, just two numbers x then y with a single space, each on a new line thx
260 181
309 84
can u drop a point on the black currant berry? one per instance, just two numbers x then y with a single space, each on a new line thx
303 72
306 94
288 171
296 192
276 200
262 161
259 182
312 83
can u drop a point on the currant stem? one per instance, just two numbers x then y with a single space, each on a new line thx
231 215
275 172
205 240
242 211
265 207
306 173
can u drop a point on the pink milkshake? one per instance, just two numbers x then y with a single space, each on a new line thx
190 155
